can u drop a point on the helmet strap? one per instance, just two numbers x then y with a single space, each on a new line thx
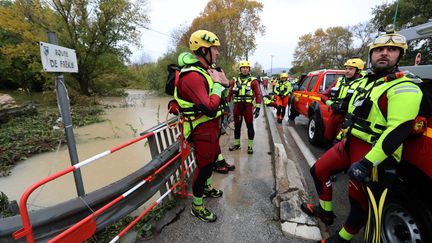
211 57
199 52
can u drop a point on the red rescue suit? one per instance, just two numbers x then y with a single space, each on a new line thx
193 87
245 109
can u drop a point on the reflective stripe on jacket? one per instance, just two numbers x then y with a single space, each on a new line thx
403 102
344 88
242 89
282 88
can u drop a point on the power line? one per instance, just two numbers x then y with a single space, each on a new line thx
148 28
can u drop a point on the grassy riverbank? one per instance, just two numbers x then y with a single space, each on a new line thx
22 137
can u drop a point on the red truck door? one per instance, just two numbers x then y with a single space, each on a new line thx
309 94
329 79
300 95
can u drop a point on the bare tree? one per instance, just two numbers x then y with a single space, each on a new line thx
362 34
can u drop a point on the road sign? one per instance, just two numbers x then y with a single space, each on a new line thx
58 59
418 58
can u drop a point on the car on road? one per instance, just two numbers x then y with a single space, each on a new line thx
306 100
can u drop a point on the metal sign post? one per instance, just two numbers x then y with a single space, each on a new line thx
59 59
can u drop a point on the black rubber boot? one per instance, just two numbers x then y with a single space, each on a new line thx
220 168
250 150
212 192
234 147
226 165
327 217
203 213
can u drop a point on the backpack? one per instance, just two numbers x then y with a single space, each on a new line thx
172 78
425 86
184 59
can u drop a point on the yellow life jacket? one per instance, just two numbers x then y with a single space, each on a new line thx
282 88
369 124
242 89
193 117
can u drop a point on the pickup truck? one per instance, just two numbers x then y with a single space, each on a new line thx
306 100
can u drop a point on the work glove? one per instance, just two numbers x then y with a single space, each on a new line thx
335 106
360 170
256 112
218 76
344 106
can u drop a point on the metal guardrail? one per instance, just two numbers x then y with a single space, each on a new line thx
48 222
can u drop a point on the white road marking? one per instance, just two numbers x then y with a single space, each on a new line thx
310 158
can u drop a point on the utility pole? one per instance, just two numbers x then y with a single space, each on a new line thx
271 65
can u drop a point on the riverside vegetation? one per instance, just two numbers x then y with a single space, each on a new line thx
23 136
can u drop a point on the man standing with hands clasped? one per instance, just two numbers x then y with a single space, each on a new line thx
198 93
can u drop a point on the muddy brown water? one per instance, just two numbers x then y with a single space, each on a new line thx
139 111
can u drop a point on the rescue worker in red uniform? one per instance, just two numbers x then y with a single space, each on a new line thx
220 166
244 91
198 93
281 91
270 101
380 116
273 84
265 83
338 95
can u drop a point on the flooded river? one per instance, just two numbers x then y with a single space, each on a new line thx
128 117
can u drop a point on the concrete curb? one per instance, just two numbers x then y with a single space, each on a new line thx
289 189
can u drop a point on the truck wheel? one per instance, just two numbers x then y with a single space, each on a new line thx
315 130
405 218
292 113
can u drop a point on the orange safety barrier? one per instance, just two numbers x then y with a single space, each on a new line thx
184 153
83 222
135 221
85 228
81 232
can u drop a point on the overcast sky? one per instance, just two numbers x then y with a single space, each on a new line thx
285 21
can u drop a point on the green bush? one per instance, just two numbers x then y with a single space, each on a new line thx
4 204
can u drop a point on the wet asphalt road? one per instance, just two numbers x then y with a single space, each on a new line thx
245 212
